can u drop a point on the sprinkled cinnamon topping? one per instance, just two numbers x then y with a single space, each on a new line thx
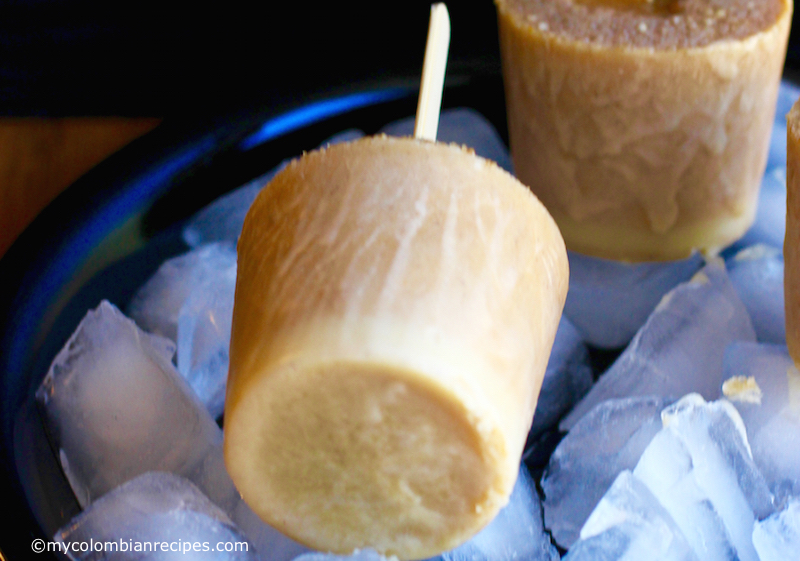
660 24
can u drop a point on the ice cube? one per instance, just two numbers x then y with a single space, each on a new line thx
764 385
680 348
788 93
778 537
757 274
776 157
156 305
204 335
700 469
776 449
515 533
757 381
190 299
222 220
608 301
212 477
629 524
567 379
116 407
607 441
358 555
769 226
269 543
462 126
153 512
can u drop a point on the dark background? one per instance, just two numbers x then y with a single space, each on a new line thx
148 58
160 58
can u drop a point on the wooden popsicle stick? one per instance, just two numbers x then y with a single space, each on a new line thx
433 68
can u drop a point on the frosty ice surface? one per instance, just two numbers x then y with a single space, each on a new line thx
190 300
769 226
769 366
608 440
156 305
773 419
153 512
777 538
567 379
700 469
204 336
629 524
757 274
358 555
679 349
116 407
222 220
608 301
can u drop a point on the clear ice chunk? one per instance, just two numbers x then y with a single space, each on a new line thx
567 379
763 384
156 305
462 126
607 441
358 555
769 226
629 524
679 350
116 407
151 513
204 335
700 469
516 532
608 301
757 274
757 379
776 449
787 96
269 543
777 538
190 300
788 93
222 219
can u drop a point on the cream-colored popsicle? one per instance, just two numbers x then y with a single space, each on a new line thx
396 304
791 245
643 127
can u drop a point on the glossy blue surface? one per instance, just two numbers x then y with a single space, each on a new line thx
315 111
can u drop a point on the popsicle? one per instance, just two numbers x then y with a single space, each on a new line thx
643 127
396 303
